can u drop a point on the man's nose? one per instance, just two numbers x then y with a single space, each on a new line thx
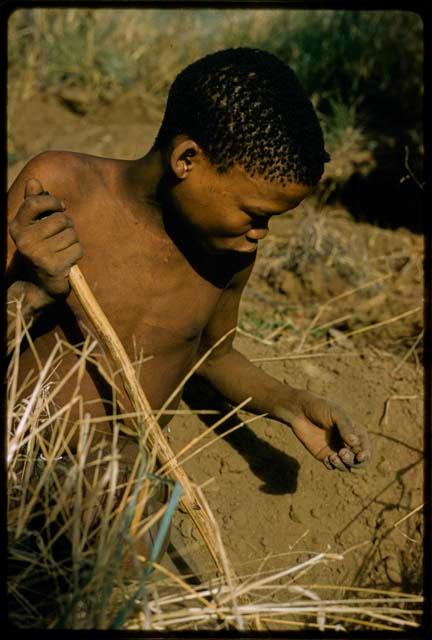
257 234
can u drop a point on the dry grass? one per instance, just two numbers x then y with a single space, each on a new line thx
272 598
321 282
72 518
87 56
342 336
106 51
72 526
70 513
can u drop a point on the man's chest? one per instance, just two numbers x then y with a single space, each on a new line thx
150 294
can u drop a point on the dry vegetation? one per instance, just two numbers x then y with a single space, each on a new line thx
73 526
339 289
86 57
72 519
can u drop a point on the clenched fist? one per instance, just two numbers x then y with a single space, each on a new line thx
46 239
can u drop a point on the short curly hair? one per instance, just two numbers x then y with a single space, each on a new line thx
246 106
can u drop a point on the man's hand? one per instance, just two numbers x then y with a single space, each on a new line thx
45 237
327 432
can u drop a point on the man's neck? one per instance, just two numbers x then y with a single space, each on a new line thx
141 178
145 181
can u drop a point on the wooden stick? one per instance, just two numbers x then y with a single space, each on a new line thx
193 501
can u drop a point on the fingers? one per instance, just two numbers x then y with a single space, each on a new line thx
356 440
72 254
61 265
347 457
337 462
39 240
333 461
344 460
63 240
327 464
34 206
33 187
31 209
54 224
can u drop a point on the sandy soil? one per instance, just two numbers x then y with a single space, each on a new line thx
270 497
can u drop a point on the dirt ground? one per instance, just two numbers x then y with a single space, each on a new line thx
270 497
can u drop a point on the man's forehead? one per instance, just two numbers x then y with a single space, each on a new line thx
256 189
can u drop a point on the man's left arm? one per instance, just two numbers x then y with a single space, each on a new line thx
321 425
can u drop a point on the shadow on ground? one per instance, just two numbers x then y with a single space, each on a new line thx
276 469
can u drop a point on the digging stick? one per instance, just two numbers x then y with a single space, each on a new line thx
193 501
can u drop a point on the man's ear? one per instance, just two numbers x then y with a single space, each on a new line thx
184 156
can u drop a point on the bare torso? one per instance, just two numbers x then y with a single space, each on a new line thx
158 295
165 294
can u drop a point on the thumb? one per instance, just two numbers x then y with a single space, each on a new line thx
33 187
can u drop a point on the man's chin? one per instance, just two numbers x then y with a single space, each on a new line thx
251 249
219 248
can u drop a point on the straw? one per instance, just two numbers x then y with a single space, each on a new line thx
370 327
156 439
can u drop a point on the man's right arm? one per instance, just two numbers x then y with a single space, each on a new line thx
42 244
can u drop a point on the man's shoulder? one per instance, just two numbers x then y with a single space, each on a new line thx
57 168
52 168
67 175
